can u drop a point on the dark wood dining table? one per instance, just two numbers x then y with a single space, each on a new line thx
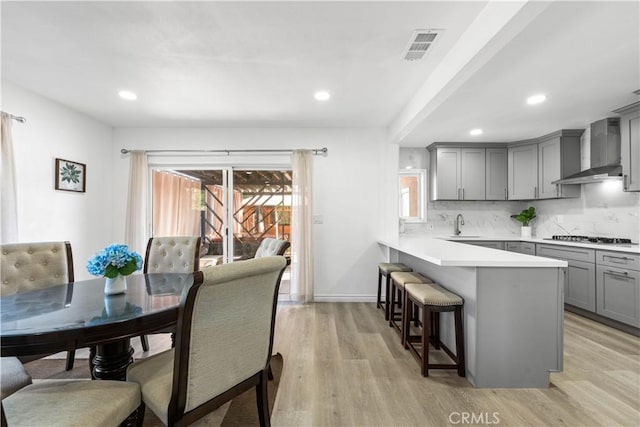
79 314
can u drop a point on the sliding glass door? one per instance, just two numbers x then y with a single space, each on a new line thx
232 210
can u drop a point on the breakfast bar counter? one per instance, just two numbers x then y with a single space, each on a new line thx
513 307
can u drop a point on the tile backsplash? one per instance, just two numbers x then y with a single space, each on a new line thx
603 210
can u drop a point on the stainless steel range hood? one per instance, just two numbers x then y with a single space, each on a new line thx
605 154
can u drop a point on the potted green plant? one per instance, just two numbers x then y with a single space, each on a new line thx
525 217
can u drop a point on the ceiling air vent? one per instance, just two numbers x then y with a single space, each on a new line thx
420 42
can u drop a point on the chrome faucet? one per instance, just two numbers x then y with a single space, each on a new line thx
459 222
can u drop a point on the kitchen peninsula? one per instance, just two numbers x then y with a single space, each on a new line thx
513 307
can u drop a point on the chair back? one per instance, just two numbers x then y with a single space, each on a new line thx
172 255
31 266
225 331
272 247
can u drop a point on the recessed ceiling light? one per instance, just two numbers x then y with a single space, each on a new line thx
475 132
322 95
128 95
536 99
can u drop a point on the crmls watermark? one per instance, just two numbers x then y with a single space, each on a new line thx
474 418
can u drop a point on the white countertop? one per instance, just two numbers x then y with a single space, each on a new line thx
634 249
453 254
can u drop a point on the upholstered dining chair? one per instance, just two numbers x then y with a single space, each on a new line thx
32 266
172 254
272 247
223 345
74 403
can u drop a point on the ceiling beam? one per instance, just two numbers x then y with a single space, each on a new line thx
496 25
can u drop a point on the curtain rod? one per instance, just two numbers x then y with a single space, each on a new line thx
316 151
18 118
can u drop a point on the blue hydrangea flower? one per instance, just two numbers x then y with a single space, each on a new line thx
116 256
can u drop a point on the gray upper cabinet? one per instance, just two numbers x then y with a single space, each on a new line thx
630 153
457 173
496 174
472 174
535 164
523 172
447 173
558 157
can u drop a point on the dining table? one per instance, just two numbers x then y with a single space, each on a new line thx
79 314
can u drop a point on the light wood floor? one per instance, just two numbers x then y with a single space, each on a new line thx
343 366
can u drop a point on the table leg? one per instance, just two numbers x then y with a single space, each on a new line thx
111 360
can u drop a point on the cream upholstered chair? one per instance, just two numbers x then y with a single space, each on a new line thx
74 403
223 345
272 247
13 377
32 266
173 254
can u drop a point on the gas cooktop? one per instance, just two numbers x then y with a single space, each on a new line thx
596 240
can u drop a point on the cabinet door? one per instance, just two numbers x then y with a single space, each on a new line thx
472 174
581 285
618 294
630 133
523 172
448 173
549 169
512 246
492 245
496 174
527 248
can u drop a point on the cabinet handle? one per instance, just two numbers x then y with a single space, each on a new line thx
623 258
506 194
618 273
463 194
535 192
625 182
557 190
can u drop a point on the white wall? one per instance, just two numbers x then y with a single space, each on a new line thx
346 191
45 214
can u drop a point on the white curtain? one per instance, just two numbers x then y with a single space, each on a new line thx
8 199
301 227
136 234
177 204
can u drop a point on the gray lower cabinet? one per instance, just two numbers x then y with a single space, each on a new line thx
520 247
618 286
580 284
487 244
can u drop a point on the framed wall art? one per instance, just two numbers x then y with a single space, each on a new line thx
70 176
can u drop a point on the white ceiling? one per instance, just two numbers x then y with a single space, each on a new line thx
256 64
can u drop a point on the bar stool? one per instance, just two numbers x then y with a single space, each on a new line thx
385 269
433 299
398 281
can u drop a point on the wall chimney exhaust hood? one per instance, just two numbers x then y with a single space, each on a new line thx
605 154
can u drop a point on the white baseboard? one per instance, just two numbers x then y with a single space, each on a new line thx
344 298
